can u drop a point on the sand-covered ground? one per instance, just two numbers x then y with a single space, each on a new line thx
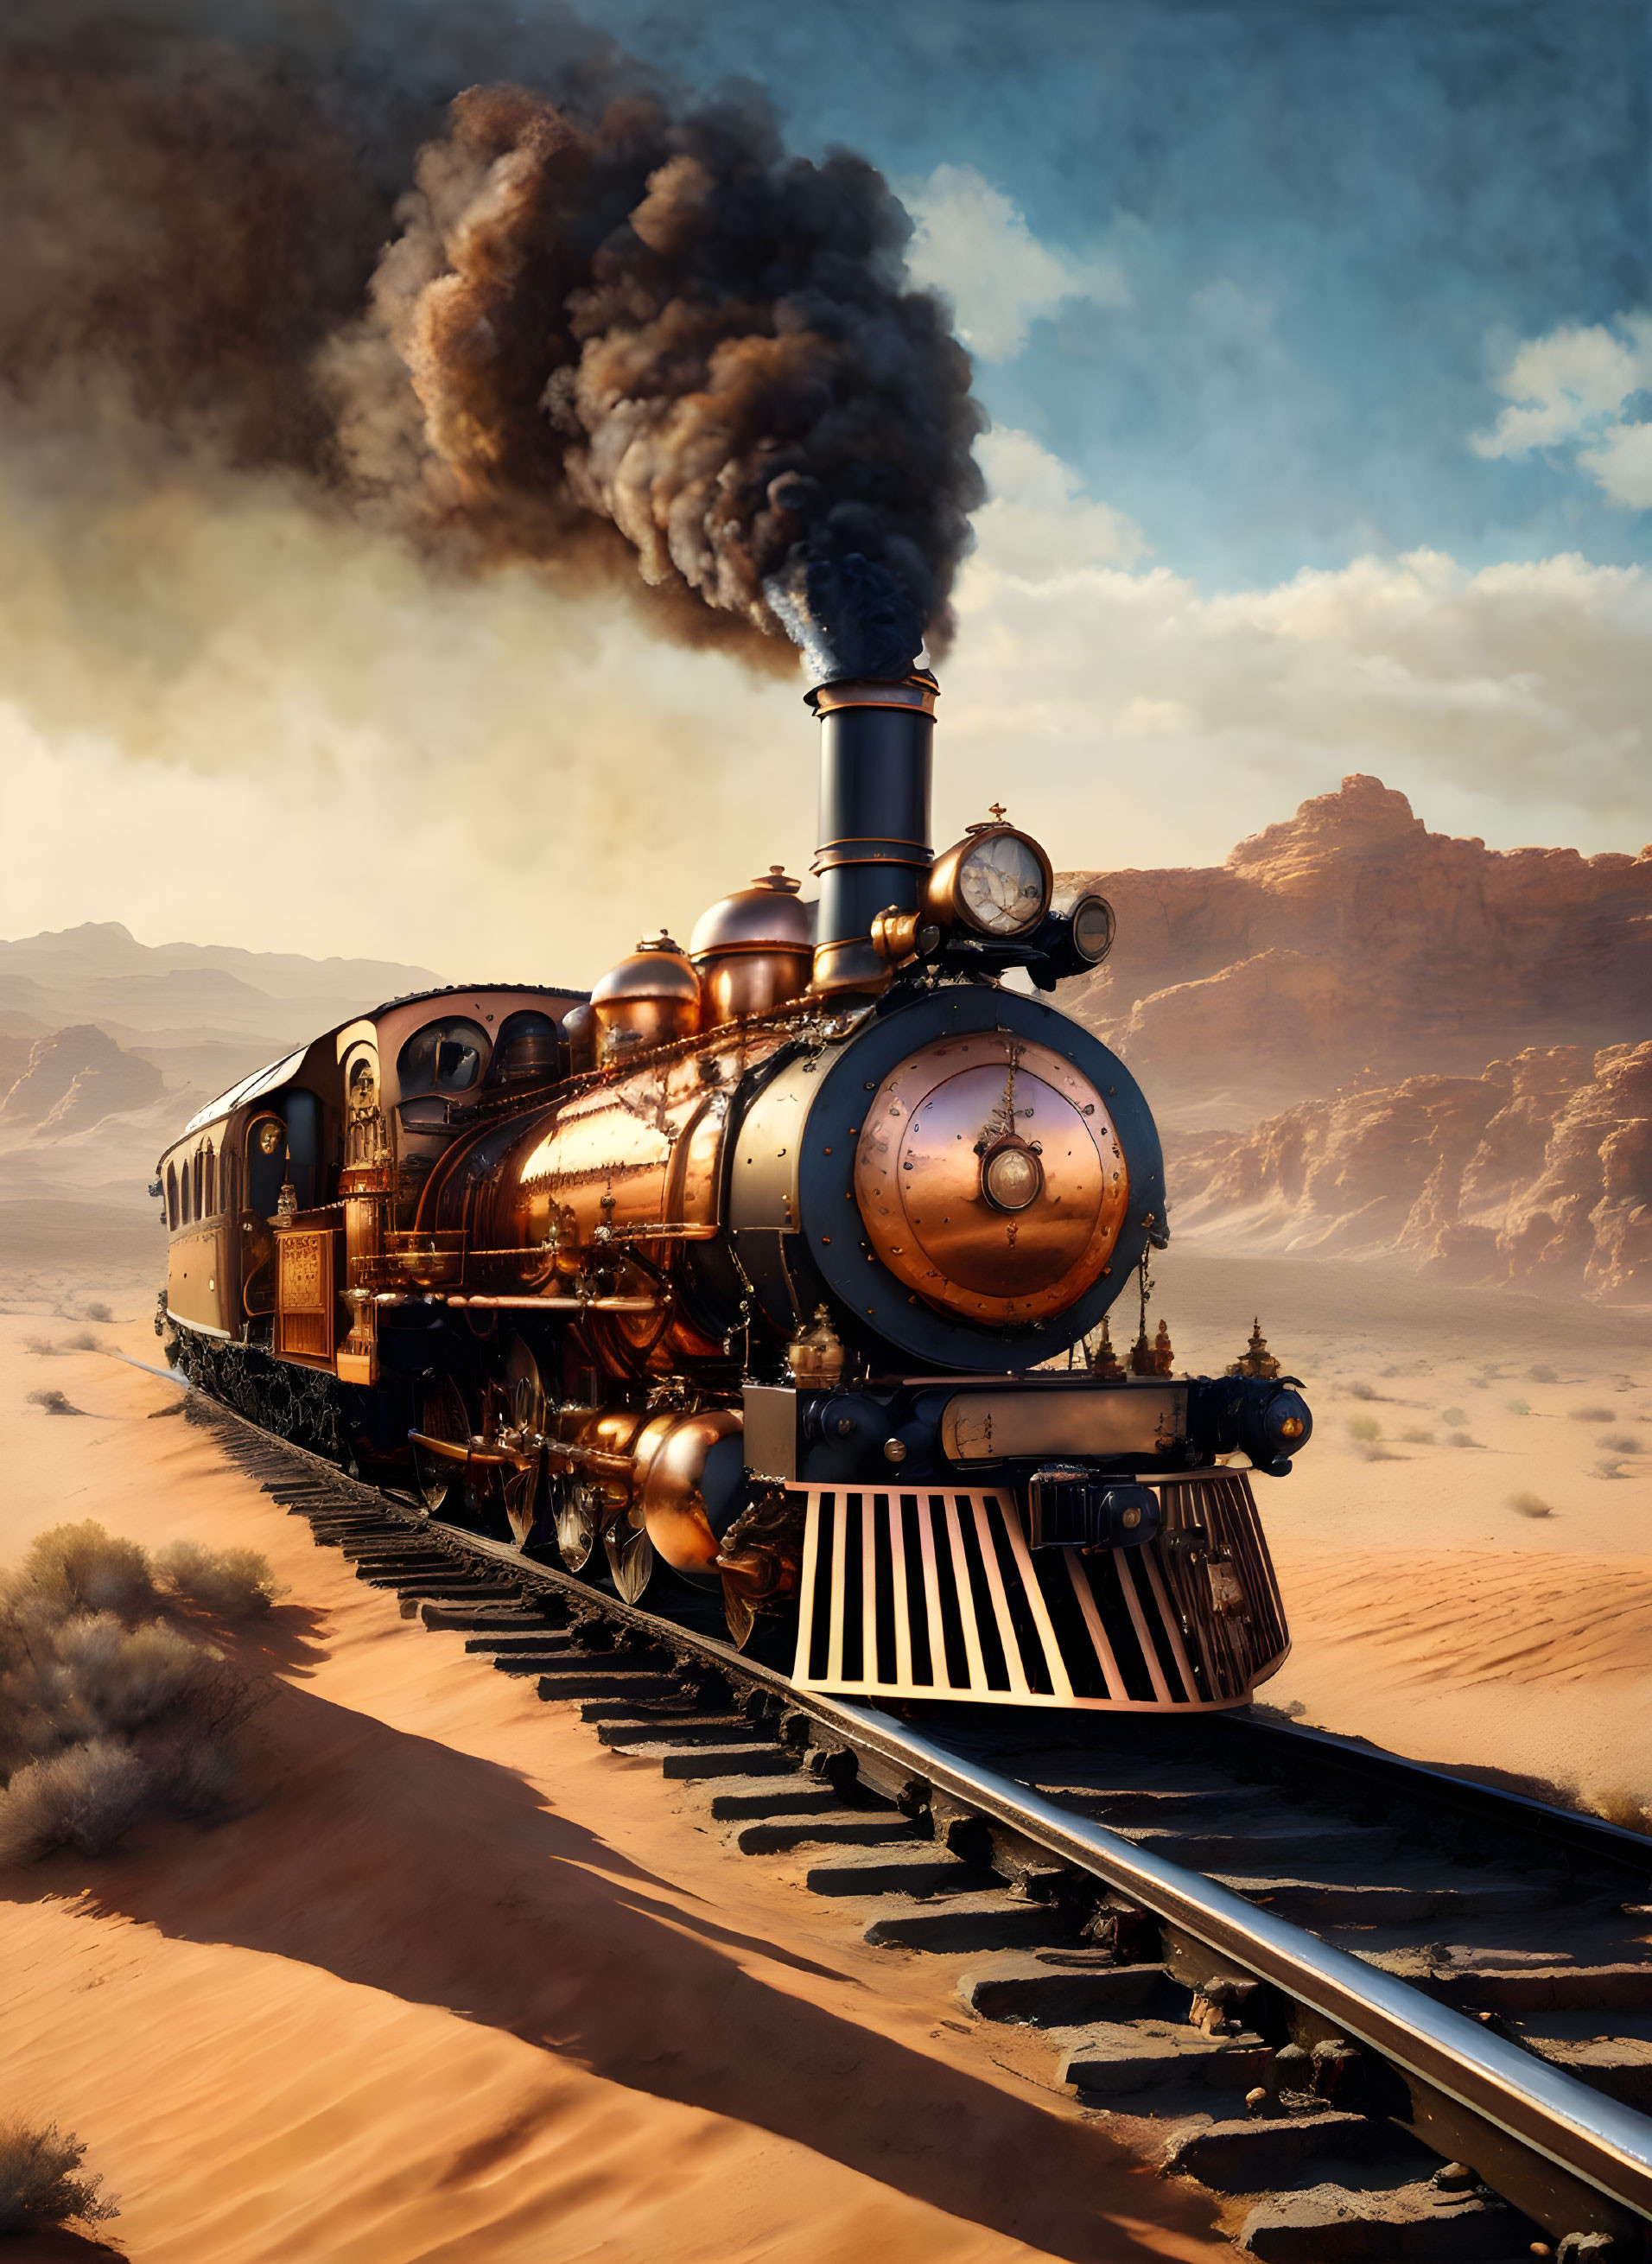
457 1983
1466 1543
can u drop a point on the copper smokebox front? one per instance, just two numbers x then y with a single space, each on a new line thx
990 1178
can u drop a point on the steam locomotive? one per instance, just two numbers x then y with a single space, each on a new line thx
761 1276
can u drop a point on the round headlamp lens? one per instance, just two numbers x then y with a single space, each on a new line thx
1092 928
1011 1178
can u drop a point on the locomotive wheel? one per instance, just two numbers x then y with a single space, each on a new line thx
630 1555
579 1507
523 1489
438 1483
739 1612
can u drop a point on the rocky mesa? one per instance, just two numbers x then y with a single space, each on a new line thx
1539 1172
1350 940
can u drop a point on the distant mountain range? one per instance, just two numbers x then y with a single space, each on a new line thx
1350 942
1346 976
193 992
107 1045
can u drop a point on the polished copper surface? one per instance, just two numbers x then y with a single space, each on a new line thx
671 1454
918 1178
754 950
918 690
942 899
647 1000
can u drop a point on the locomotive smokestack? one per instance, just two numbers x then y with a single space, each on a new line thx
874 816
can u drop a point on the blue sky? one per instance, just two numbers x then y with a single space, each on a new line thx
1331 223
1317 340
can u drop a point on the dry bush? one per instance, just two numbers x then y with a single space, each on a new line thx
1620 1442
119 1678
1607 1466
1619 1803
1372 1450
1418 1437
87 1569
84 1798
1531 1505
56 1403
1454 1415
97 1310
101 1720
1362 1391
1590 1414
231 1584
1518 1406
38 2181
1462 1439
1541 1372
1364 1430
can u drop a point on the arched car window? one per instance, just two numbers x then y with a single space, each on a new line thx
209 1194
171 1197
185 1212
442 1057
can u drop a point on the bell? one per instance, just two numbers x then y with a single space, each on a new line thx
1256 1358
816 1354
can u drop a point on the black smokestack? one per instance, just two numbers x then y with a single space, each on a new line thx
575 321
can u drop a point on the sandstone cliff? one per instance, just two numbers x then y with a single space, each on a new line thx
75 1079
1537 1171
1351 940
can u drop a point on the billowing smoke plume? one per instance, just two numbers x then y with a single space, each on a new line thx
584 324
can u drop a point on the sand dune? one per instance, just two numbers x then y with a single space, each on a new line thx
458 1983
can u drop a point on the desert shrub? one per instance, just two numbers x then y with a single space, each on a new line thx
1607 1466
1619 1803
102 1720
1620 1442
1541 1372
1530 1505
1452 1415
86 1570
55 1403
97 1310
1518 1406
1372 1450
1365 1430
1361 1391
1462 1439
39 2184
1590 1414
231 1584
84 1798
119 1678
1418 1437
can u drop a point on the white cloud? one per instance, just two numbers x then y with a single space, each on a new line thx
1567 391
225 718
971 243
1137 718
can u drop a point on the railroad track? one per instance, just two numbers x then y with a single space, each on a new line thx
1378 2012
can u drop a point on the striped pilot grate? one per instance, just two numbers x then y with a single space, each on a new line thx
935 1594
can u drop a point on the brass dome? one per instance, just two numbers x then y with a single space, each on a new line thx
647 1000
765 917
658 968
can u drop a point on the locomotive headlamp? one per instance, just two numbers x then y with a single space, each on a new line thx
1092 929
1291 1427
997 881
1011 1176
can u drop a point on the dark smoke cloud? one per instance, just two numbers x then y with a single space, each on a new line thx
575 321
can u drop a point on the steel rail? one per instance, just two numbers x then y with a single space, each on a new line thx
1581 2132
